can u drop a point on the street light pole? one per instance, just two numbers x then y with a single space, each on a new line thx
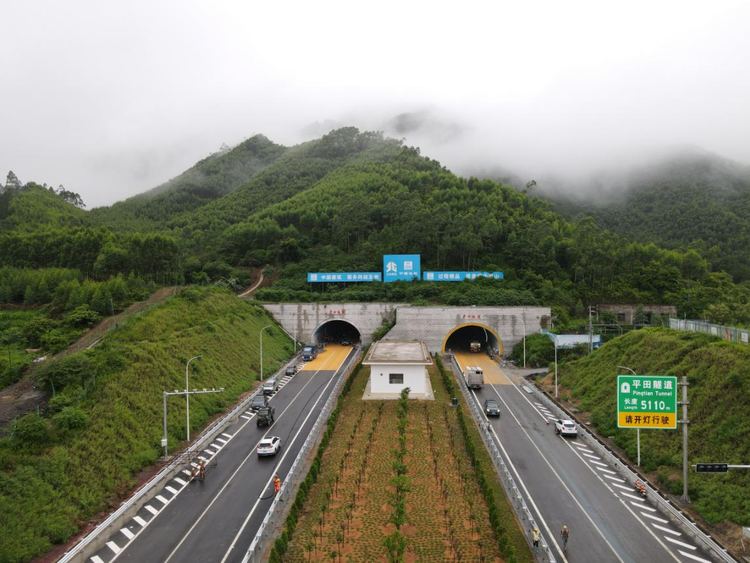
637 430
261 349
187 396
523 320
556 394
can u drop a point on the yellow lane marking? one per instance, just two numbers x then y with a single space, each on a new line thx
330 358
492 372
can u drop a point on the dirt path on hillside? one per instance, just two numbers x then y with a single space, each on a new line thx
27 395
248 293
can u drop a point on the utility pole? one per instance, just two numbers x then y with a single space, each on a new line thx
685 422
592 310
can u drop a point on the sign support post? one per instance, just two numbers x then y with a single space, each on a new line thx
685 422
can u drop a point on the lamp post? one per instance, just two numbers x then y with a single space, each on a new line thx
187 393
523 320
638 430
187 396
261 349
556 394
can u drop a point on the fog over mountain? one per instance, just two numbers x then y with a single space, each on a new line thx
113 101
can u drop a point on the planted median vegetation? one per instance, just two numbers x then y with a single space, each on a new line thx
401 480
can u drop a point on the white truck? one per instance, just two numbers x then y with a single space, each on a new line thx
474 377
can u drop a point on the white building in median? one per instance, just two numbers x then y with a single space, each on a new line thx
395 366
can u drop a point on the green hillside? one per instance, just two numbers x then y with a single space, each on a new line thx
691 200
34 208
105 422
719 393
342 201
211 178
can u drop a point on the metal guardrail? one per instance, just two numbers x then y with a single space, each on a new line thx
509 484
96 538
278 510
664 505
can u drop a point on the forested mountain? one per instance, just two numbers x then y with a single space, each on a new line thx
34 207
211 178
342 201
690 200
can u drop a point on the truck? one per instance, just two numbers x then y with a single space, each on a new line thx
309 353
475 346
266 416
474 377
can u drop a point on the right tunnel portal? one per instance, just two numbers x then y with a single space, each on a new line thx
473 338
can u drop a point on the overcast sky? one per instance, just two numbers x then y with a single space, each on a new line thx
111 101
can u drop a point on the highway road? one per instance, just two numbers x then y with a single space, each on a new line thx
566 483
217 520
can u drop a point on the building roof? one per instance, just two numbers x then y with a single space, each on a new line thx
398 352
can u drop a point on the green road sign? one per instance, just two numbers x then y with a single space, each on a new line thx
647 401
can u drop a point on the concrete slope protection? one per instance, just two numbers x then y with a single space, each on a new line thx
566 484
216 520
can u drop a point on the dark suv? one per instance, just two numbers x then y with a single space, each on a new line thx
265 416
259 401
491 408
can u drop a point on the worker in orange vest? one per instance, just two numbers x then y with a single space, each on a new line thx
276 484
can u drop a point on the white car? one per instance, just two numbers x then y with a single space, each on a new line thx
269 446
566 427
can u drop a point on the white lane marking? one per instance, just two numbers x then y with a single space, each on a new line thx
162 499
633 497
114 547
127 533
693 557
171 490
202 458
598 476
623 487
209 452
598 463
216 446
592 456
270 478
245 417
663 529
186 472
655 518
151 509
222 440
643 507
550 536
96 559
252 452
180 481
683 544
606 470
618 480
145 524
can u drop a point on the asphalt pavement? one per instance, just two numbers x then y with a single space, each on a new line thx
564 482
217 519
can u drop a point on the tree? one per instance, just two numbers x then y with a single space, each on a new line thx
12 181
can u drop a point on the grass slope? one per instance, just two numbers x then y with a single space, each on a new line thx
719 393
60 472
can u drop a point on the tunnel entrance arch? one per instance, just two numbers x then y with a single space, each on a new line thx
461 336
336 330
